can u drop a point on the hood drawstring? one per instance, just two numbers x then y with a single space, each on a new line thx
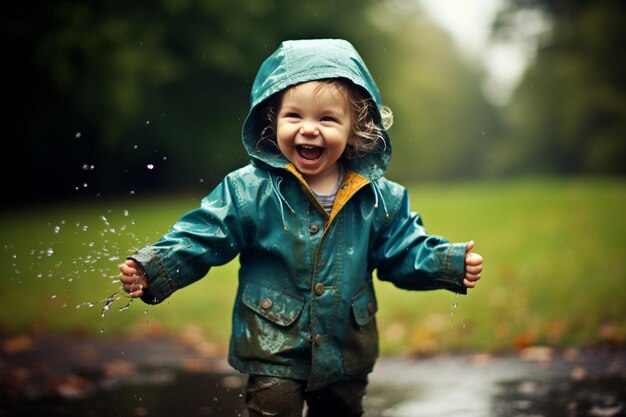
276 181
377 192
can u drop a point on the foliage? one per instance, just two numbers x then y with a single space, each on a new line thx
111 98
569 113
98 90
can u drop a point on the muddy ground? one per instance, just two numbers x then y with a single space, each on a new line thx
165 376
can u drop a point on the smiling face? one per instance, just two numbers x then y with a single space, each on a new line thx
313 127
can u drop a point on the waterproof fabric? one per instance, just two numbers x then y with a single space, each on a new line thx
305 305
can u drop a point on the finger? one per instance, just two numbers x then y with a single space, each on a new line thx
125 269
129 279
474 269
473 259
136 294
132 286
129 263
472 277
468 283
470 246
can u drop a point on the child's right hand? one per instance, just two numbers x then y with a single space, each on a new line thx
133 278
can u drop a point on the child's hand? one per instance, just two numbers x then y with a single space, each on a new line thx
133 278
473 266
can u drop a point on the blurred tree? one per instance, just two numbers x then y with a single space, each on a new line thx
443 125
569 113
113 96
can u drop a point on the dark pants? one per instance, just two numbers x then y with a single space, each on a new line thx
281 397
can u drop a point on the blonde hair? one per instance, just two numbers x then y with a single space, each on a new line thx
367 132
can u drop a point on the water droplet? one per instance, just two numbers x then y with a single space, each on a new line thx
125 213
127 306
77 135
50 251
454 307
57 229
147 122
150 166
107 304
132 192
53 296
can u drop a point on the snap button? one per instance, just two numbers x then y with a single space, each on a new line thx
371 308
343 187
318 339
266 304
319 288
313 228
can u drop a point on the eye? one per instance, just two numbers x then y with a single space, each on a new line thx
292 115
328 119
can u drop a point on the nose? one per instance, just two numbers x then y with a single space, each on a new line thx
309 129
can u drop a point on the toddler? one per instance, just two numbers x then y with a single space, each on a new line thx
311 217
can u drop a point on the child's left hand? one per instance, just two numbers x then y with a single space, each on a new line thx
473 266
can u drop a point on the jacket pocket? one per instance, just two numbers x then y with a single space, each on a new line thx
279 307
268 330
360 349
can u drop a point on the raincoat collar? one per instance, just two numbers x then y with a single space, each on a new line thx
300 61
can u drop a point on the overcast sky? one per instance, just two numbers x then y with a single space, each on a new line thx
469 24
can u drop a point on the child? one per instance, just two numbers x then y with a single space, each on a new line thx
311 217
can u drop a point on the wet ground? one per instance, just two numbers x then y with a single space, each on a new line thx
166 378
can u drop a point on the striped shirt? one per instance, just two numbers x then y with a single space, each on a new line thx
327 200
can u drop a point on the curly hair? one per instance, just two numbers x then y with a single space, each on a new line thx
367 131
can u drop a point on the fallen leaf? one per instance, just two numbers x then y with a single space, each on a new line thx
17 344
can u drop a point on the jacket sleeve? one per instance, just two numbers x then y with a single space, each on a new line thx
406 255
208 236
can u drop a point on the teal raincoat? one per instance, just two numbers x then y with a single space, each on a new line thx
305 303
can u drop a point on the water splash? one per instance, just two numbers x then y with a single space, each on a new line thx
107 303
455 305
127 306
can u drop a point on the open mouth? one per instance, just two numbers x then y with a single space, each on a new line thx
310 153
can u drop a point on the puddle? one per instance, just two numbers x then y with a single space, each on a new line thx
182 394
162 379
157 394
604 396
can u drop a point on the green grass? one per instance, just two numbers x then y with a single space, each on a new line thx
554 269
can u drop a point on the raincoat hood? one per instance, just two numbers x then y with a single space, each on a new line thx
300 61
